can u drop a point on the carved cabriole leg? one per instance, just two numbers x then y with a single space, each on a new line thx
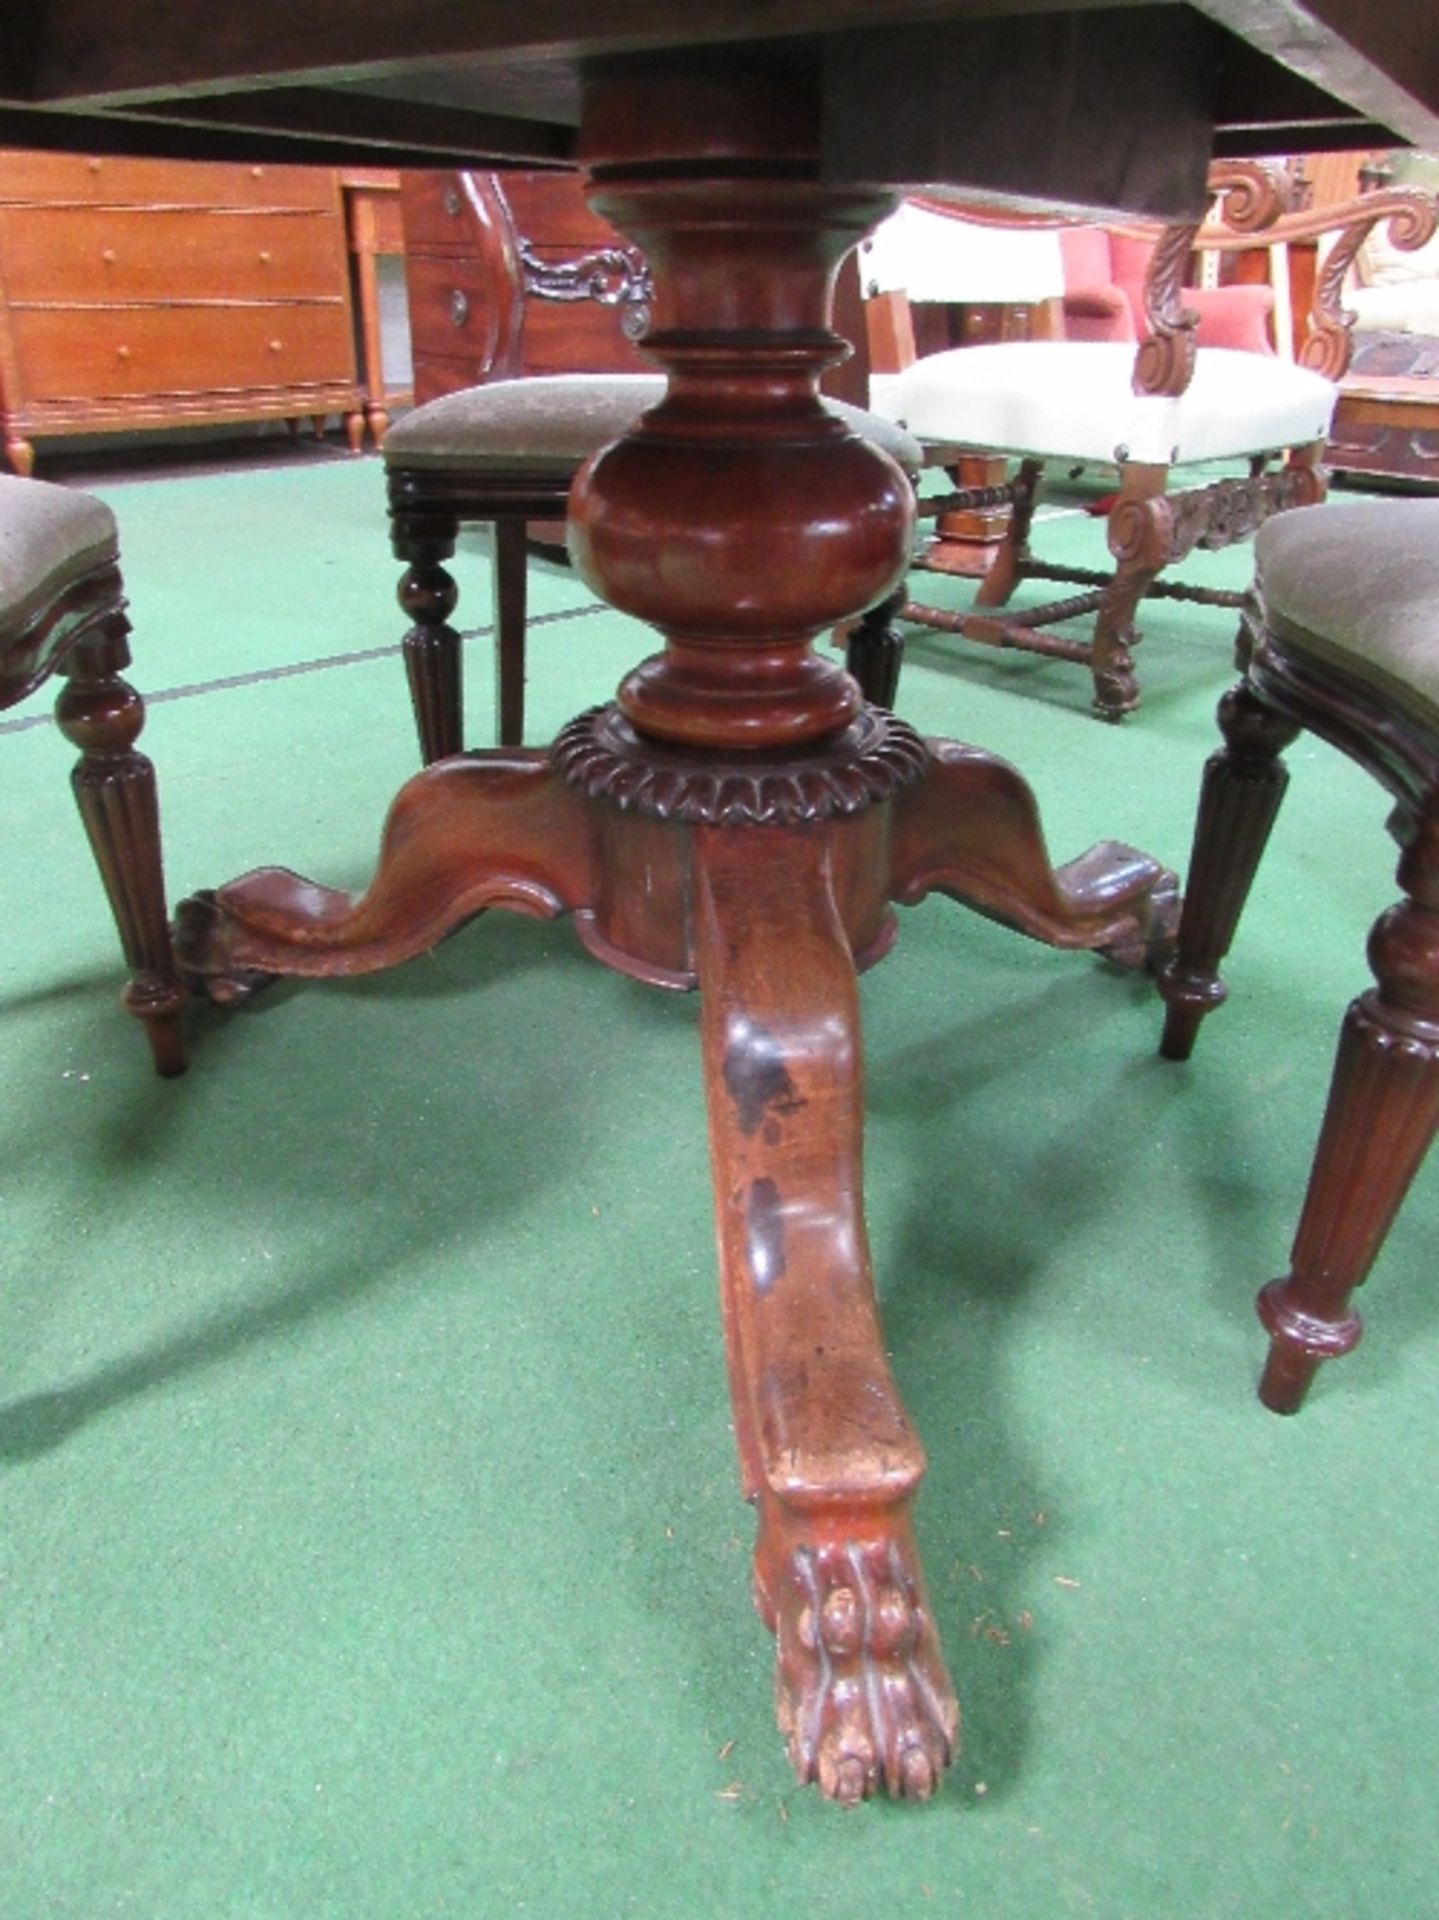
102 715
971 829
874 651
510 580
473 831
826 1449
1140 533
1243 785
427 594
1009 562
1382 1111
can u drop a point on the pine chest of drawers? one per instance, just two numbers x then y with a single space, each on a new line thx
148 293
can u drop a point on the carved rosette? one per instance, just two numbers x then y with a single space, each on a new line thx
874 758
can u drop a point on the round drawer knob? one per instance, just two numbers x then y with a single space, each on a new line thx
276 346
257 173
459 308
122 353
95 165
108 256
265 256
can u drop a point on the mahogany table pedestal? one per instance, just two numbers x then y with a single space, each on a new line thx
740 823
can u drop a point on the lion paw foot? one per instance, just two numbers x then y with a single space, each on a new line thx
862 1695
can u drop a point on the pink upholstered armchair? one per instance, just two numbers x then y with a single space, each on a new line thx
1104 275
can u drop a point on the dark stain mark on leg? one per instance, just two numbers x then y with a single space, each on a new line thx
756 1076
764 1233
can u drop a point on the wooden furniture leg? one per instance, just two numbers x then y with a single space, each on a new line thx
427 594
1243 785
827 1452
102 715
470 832
1382 1112
874 651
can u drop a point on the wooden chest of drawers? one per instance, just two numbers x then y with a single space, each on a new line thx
144 293
512 275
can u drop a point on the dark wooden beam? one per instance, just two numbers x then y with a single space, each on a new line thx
98 52
350 117
1380 57
150 137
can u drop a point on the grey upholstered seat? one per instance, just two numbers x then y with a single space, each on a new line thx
552 423
50 537
1357 586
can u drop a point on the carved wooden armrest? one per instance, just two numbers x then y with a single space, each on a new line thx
1253 197
1412 216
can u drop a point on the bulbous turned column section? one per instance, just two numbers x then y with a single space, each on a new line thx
737 516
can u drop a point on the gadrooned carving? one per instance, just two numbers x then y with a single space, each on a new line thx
600 753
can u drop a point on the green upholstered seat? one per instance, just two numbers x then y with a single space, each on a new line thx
1356 585
49 537
553 422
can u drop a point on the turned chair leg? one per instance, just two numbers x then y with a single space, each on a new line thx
1382 1111
874 651
1243 785
427 594
102 715
510 581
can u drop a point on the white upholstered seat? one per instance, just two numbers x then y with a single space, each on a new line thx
1074 400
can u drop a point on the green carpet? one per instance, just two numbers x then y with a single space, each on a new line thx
372 1546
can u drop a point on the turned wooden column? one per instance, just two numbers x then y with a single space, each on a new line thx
737 517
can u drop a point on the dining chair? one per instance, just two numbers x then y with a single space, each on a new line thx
1343 642
62 611
1148 409
504 454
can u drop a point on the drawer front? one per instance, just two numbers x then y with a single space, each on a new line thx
454 312
93 181
577 336
438 213
86 253
438 374
98 352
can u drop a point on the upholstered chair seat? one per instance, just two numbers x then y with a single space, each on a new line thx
62 610
1075 400
506 453
1344 642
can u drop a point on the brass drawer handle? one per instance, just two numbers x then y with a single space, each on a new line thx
452 201
459 308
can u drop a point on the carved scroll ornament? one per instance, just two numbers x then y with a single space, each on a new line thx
1253 195
610 276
